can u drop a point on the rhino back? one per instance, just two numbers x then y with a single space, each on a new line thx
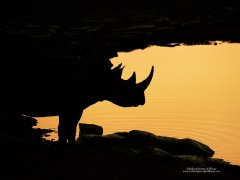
35 84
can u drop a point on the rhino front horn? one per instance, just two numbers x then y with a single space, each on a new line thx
144 84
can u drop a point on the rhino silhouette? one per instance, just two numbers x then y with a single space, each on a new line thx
65 87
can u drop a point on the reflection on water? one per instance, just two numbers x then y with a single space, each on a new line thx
195 93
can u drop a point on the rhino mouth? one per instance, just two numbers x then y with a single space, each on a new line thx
139 104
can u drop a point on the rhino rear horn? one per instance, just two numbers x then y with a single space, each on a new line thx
132 79
144 84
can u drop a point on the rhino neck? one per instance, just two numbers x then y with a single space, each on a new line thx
90 101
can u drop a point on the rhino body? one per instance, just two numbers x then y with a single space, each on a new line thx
65 87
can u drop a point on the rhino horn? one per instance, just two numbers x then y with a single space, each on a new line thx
144 84
132 79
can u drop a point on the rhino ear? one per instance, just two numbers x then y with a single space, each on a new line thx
117 67
118 70
144 84
132 79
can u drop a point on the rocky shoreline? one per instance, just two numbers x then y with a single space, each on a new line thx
122 155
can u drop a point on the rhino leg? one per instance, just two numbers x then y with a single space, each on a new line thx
68 121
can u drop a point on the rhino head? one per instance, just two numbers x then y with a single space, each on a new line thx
127 93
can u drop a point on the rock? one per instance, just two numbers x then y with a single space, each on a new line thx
171 145
90 129
154 152
17 130
16 122
89 139
141 141
192 159
142 137
193 147
115 139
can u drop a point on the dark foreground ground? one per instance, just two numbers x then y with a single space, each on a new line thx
90 163
136 154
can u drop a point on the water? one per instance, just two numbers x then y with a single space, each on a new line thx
195 93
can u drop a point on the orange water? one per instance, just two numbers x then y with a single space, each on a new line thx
195 93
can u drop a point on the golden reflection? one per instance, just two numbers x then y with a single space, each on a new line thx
195 93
